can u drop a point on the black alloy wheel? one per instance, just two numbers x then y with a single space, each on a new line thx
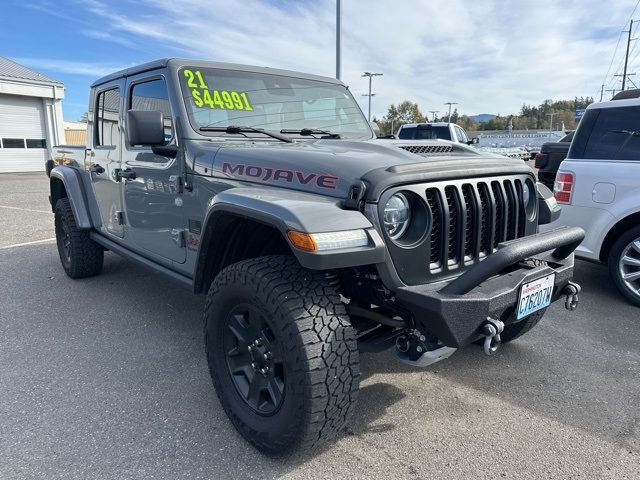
254 360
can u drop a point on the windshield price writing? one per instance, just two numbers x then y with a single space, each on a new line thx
222 99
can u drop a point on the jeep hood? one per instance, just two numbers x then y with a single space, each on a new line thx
330 167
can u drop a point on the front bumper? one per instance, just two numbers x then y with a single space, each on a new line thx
455 311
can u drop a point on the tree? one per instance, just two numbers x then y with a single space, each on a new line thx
404 112
84 118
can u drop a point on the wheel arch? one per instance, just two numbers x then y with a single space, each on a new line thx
612 235
261 218
65 182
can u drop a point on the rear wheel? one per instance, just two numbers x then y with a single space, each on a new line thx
624 264
80 256
281 352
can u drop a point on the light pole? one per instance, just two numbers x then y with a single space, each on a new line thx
434 112
338 38
450 103
550 115
370 75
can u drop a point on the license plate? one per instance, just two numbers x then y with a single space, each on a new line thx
535 295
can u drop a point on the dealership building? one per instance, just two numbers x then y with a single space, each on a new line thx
31 121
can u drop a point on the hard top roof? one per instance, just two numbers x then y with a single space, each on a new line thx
179 62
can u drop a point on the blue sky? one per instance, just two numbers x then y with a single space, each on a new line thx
490 56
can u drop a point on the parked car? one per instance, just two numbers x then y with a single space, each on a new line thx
267 191
433 131
548 160
599 187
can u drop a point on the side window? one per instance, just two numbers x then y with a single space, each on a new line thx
107 118
462 137
153 95
615 135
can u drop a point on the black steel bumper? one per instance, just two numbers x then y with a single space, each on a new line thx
455 311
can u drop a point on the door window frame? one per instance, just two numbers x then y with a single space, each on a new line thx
129 89
96 122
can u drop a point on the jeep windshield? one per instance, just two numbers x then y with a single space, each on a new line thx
302 108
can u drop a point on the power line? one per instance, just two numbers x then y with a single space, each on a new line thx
615 50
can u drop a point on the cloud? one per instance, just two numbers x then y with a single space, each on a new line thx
88 69
489 56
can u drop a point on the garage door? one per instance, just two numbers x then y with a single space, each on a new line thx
23 146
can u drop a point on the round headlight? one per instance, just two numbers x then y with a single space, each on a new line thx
396 216
526 194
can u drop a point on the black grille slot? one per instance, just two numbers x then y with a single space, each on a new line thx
512 210
453 205
470 230
500 214
435 205
486 228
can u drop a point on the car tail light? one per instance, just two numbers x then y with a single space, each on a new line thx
541 160
563 187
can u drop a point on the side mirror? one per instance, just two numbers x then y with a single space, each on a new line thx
473 141
145 128
548 208
376 128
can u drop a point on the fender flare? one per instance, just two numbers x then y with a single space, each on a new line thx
287 210
75 192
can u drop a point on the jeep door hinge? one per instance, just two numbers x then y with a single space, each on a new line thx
176 183
177 235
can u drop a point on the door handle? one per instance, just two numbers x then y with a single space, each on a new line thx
97 169
127 174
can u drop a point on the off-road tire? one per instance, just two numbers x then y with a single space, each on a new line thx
613 263
516 330
81 257
317 346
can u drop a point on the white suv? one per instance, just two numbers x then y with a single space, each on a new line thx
599 187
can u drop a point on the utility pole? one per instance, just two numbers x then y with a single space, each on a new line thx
613 92
450 103
601 91
550 121
338 38
370 75
626 57
434 112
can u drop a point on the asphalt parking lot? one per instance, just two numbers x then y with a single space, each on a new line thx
106 378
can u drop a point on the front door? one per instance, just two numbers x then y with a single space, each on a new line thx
104 159
152 183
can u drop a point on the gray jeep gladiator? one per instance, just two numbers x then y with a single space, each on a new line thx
267 191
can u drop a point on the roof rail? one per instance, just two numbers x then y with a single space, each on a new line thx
626 94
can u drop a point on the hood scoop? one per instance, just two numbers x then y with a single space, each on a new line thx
427 149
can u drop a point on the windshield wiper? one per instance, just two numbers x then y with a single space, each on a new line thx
234 129
312 131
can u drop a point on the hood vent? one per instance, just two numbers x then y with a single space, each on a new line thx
427 149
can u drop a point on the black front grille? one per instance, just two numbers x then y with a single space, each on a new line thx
476 216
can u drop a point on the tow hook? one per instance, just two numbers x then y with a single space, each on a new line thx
492 330
571 291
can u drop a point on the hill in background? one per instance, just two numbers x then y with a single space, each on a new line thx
482 117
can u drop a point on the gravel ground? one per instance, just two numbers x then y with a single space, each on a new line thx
107 378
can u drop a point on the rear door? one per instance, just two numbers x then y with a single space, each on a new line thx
105 156
606 151
153 199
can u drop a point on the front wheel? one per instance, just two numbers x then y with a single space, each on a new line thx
281 352
80 256
624 264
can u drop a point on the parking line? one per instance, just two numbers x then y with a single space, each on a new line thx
24 209
35 242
